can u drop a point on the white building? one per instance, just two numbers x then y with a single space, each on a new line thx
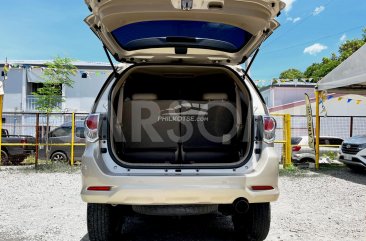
25 77
284 93
289 98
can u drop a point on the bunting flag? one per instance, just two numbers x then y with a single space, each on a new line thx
5 71
349 100
323 98
6 68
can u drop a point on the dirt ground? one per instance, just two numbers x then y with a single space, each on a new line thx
330 205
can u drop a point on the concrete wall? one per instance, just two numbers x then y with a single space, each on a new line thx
13 88
79 98
285 95
267 96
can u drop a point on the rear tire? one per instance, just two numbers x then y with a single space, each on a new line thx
59 157
17 160
253 225
307 160
104 222
4 158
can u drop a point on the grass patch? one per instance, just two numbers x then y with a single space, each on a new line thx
55 167
30 160
293 170
331 166
305 171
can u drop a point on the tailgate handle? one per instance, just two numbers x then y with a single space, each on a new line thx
186 4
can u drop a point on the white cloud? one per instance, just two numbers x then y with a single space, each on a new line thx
294 20
315 49
289 4
318 10
343 38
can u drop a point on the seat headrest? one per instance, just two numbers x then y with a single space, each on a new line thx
215 96
144 96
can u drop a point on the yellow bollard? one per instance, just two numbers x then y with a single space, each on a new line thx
72 138
288 147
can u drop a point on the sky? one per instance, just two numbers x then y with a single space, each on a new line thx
310 30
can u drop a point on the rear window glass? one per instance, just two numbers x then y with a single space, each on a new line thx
179 33
295 140
335 141
62 131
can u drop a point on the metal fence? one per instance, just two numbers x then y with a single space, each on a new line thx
35 125
22 127
335 126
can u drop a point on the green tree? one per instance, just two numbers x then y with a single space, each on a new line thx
319 70
349 47
57 74
291 74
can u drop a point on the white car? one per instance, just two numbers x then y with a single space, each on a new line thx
353 153
179 128
302 153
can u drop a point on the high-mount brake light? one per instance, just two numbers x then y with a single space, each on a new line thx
92 127
269 129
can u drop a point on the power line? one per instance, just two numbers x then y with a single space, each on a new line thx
312 41
296 26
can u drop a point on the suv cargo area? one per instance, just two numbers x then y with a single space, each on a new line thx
180 115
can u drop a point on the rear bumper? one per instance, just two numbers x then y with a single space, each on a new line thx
173 190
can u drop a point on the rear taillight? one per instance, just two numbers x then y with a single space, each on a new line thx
262 188
269 129
91 127
296 148
23 141
99 188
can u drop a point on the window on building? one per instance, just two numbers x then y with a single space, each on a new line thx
33 87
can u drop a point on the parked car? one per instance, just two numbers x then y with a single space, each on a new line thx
301 152
62 134
15 154
353 153
179 128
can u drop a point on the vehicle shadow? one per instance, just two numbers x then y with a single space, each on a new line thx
198 228
346 174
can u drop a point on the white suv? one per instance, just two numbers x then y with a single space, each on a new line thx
353 153
179 128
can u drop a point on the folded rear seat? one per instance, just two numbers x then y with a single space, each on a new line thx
143 144
214 138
